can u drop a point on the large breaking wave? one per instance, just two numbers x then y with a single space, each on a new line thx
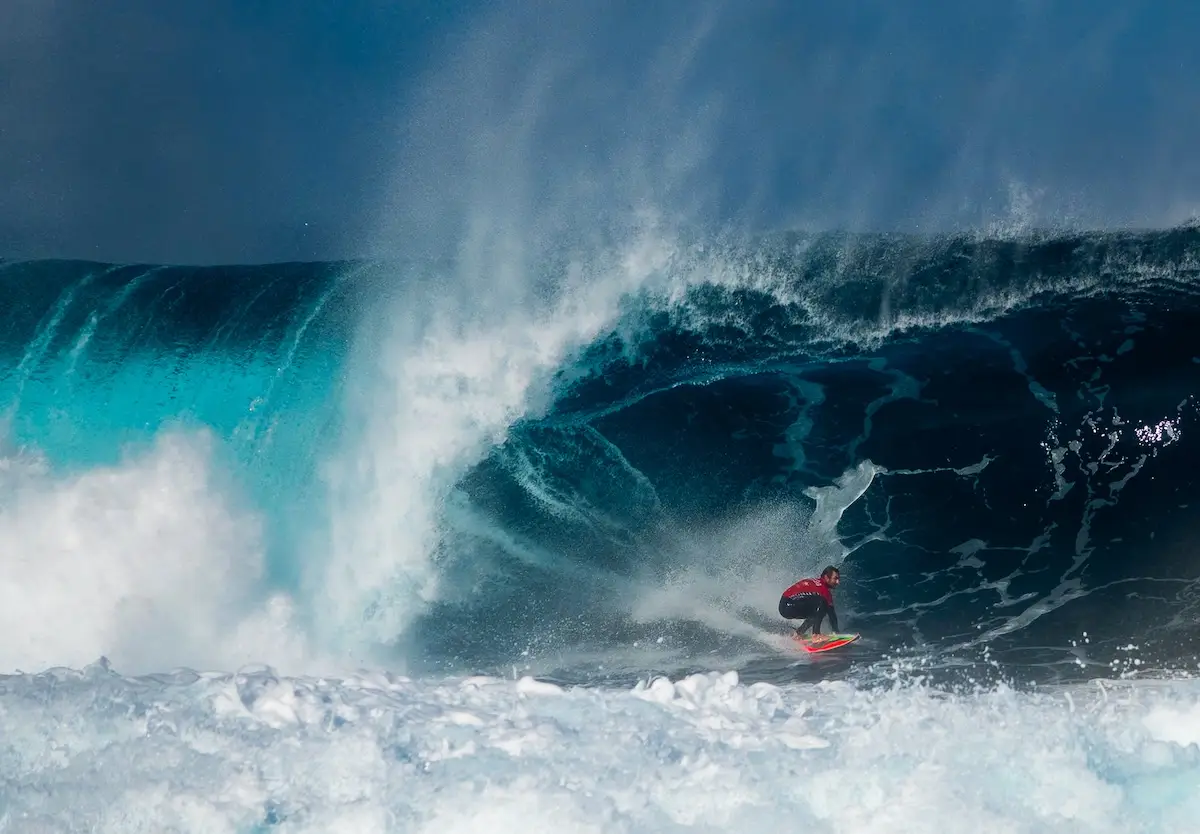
509 504
615 473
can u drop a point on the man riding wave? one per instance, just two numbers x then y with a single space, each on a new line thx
811 600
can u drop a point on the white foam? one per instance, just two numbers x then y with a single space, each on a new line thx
1174 725
94 752
146 561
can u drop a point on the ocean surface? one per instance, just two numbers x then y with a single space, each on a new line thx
374 547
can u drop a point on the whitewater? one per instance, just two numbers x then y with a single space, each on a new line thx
90 750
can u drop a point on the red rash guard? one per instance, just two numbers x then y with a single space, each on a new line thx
811 586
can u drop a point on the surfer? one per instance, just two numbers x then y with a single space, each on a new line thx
811 600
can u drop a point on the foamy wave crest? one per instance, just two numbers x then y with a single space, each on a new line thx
446 389
147 561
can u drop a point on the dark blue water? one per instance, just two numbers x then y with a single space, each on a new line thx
995 439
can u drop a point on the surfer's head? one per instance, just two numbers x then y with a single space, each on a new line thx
831 576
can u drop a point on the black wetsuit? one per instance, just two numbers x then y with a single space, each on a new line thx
811 601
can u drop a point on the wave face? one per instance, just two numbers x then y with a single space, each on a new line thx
992 437
100 358
162 429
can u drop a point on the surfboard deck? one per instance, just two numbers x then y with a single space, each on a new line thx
824 643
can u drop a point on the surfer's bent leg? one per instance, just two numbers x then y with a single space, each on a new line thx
811 608
820 609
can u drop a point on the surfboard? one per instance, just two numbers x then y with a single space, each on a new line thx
825 643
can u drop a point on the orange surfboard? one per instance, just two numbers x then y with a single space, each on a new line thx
825 642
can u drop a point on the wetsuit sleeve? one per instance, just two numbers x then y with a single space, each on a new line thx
833 624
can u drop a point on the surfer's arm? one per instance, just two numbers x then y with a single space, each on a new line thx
833 623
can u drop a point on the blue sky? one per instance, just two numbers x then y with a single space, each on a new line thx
258 130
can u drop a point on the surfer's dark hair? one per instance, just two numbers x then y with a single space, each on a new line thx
830 571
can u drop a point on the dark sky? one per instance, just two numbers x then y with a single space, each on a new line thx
251 130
